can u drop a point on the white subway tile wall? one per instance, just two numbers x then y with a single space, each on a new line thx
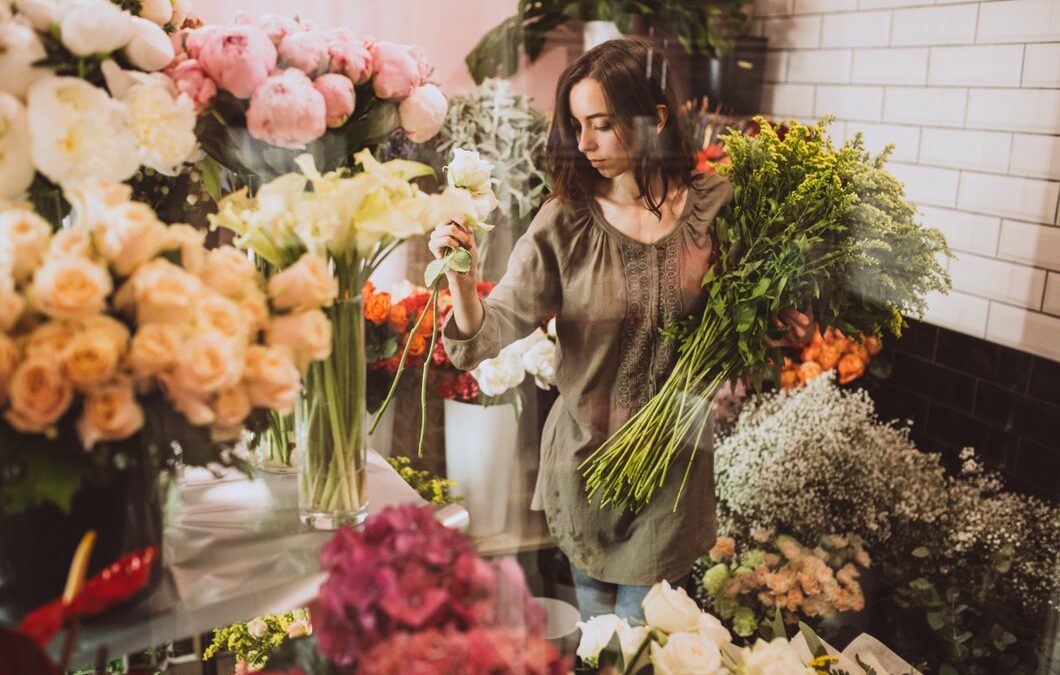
969 94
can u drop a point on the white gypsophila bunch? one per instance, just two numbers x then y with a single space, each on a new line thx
989 526
817 460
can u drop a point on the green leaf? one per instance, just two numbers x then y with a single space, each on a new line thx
947 669
46 476
211 178
460 260
436 269
813 643
937 620
778 625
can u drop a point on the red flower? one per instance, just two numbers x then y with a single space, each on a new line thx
476 652
466 387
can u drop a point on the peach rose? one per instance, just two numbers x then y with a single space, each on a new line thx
9 358
306 336
255 308
11 306
28 235
191 243
228 270
851 367
159 291
71 288
305 285
109 327
154 349
272 379
49 338
111 413
194 408
132 235
207 363
214 312
90 359
38 394
230 409
74 241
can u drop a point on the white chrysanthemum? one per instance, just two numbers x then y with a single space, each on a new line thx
16 160
79 132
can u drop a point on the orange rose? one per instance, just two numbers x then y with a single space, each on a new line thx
367 290
811 353
829 355
809 370
850 368
789 378
427 327
399 318
873 345
417 345
377 308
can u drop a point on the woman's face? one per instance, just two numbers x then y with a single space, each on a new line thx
597 137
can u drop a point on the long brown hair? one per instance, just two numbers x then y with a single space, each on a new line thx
635 78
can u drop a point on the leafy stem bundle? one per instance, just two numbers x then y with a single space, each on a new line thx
809 225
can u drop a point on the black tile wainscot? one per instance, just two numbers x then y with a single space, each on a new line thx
960 390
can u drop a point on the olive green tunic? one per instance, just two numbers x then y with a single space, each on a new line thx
611 294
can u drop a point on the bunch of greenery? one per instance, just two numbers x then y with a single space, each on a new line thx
809 226
703 26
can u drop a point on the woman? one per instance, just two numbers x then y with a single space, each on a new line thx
617 252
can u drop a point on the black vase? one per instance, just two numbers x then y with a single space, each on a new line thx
37 545
733 81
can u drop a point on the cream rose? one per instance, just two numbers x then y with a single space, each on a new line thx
71 288
306 336
207 363
111 413
670 610
273 380
597 632
773 658
28 236
38 395
710 626
230 409
92 200
71 241
305 285
160 291
257 627
154 349
228 270
90 359
686 654
215 312
132 236
9 358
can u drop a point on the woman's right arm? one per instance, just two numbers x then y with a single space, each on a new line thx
467 310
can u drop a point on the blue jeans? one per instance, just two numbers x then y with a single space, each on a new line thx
599 597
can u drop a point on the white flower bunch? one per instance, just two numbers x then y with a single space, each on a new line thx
67 128
533 355
817 460
120 304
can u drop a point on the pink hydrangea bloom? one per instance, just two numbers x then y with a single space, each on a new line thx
339 97
287 111
238 58
189 78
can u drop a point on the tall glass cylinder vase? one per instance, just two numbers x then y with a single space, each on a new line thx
330 424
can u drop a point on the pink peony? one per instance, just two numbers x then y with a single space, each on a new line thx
278 26
287 111
349 55
339 97
238 58
423 113
306 51
190 78
195 40
397 69
177 39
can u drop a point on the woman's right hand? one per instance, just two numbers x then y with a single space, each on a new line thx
453 235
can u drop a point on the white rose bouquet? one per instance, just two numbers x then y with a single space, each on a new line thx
69 112
121 335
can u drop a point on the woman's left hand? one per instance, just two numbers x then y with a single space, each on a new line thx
801 327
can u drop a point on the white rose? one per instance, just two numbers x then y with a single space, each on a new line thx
596 634
133 235
28 236
305 285
686 654
79 132
90 27
499 374
306 336
150 48
456 204
669 609
773 658
469 171
40 13
157 11
9 358
423 113
16 157
71 288
710 626
20 48
257 627
110 413
38 393
631 639
206 364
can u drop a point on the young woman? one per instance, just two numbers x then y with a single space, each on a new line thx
618 252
